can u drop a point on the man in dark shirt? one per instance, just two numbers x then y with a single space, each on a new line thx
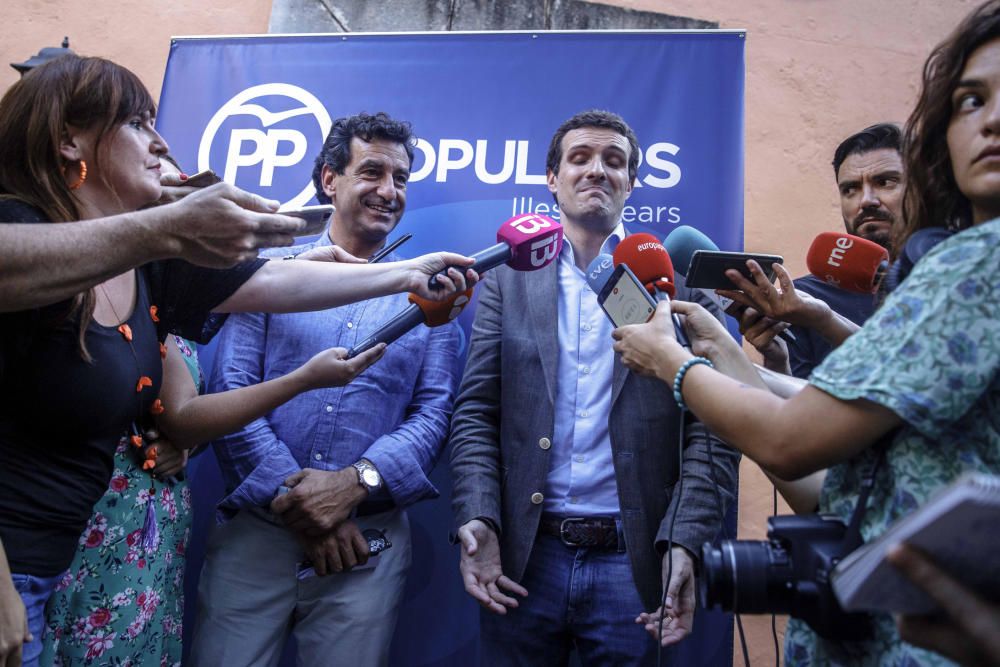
869 172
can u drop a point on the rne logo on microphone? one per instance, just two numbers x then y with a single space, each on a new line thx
273 127
840 248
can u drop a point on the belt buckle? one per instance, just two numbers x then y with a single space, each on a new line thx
562 530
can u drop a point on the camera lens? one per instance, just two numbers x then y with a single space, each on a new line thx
745 576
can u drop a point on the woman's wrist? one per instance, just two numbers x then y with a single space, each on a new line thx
300 380
671 357
724 357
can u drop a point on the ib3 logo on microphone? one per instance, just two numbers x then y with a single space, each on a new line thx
264 139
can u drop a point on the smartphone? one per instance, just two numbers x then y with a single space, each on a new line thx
202 179
377 543
624 299
315 217
708 267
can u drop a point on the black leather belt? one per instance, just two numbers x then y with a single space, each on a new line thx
592 532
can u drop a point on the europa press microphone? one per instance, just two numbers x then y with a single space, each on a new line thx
525 243
650 262
420 311
848 262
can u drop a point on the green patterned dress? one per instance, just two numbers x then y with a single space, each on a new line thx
121 603
931 354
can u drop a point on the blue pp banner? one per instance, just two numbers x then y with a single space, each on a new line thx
484 106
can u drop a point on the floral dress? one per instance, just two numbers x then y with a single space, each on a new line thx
122 600
931 354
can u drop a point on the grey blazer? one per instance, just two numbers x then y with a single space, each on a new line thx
503 423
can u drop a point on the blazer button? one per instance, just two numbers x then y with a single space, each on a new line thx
537 498
544 443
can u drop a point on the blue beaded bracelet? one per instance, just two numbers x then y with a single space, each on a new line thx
679 378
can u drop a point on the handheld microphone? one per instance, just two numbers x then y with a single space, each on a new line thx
525 243
420 311
650 262
682 243
848 262
599 272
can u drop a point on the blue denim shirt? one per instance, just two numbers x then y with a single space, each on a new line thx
395 414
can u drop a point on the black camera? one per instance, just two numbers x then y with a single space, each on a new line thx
787 574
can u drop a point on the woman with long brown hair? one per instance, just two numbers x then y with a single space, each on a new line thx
913 395
77 142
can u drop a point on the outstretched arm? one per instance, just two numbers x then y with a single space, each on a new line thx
217 227
763 426
296 285
190 419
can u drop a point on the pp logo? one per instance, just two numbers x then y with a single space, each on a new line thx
281 141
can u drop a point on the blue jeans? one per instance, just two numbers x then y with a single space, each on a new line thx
34 592
582 598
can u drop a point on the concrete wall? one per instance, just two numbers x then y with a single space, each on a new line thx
419 15
817 71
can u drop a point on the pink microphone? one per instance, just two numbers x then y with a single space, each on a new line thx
525 243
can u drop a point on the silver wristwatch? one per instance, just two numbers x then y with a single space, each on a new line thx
368 476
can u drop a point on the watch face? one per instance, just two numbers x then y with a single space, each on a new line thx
370 477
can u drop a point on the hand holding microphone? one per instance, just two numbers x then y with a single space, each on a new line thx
525 243
650 262
420 311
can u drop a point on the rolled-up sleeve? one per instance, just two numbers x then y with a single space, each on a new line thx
405 456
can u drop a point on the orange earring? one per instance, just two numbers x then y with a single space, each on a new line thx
83 176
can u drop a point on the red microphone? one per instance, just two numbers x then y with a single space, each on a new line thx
848 262
650 262
525 243
420 311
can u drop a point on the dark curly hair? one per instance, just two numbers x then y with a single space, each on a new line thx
336 152
932 197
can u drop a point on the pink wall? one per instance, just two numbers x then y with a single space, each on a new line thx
135 34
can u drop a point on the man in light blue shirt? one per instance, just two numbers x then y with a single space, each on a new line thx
353 456
575 515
